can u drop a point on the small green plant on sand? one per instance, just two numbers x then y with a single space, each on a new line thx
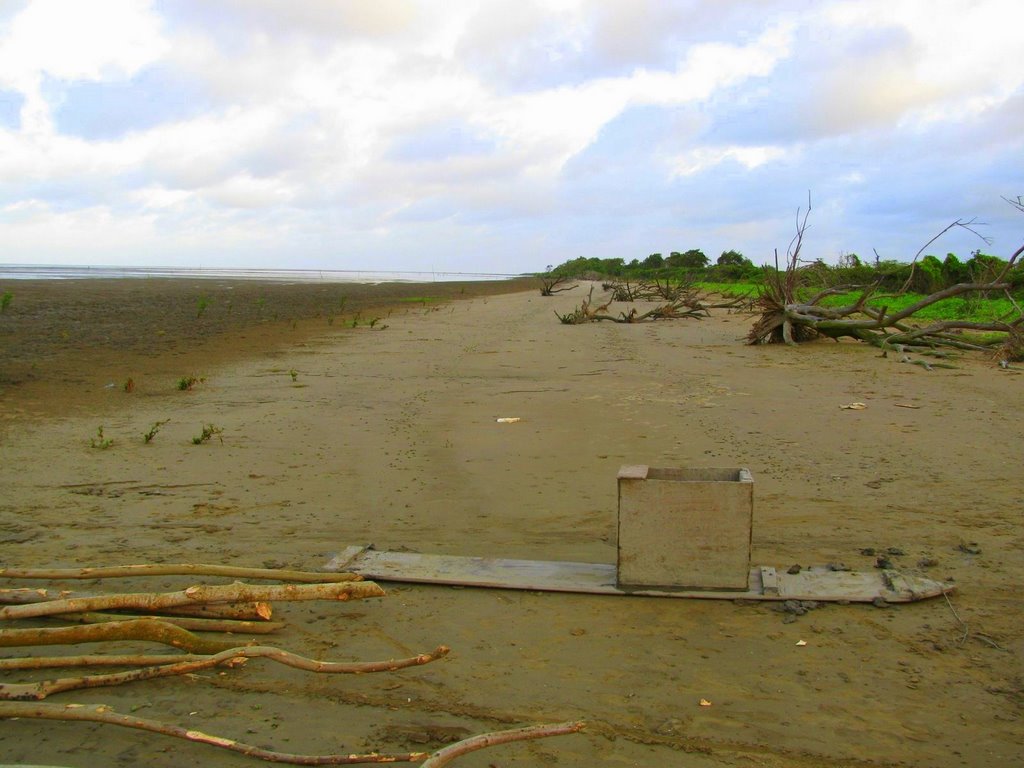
148 436
209 431
186 383
201 304
294 374
5 301
100 441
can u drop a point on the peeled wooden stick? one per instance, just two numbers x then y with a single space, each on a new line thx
177 569
104 714
473 743
191 623
141 629
233 656
227 593
96 660
153 660
252 611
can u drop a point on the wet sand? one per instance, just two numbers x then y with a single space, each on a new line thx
389 435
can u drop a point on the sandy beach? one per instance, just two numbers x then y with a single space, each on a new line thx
334 435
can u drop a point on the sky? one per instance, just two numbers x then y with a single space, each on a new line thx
503 135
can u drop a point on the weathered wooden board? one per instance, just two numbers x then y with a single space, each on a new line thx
766 583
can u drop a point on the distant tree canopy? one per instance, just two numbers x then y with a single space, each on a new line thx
691 259
731 258
927 275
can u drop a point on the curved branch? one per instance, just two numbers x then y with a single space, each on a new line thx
232 656
153 630
104 714
444 756
953 290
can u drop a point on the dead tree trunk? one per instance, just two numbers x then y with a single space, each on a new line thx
786 319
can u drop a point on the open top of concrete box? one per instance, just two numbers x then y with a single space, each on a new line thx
687 474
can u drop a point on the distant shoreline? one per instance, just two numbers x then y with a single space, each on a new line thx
94 331
80 272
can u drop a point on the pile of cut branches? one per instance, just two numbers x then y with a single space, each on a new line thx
786 318
173 619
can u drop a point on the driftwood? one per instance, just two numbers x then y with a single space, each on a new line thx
228 593
21 700
253 611
191 623
550 284
97 660
447 754
151 660
177 569
232 657
152 630
588 313
653 290
101 713
787 319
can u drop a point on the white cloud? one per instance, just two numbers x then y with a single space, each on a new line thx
409 126
703 158
955 64
70 40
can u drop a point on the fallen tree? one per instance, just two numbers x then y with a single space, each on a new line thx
787 318
687 305
552 284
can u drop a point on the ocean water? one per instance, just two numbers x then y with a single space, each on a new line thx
73 272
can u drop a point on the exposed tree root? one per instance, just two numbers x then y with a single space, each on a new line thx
687 305
786 319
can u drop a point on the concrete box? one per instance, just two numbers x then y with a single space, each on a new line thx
685 527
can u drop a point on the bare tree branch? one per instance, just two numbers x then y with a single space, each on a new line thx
446 755
227 593
101 713
232 657
177 569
